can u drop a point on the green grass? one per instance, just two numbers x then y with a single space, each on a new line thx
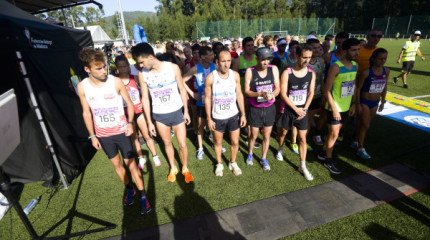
100 193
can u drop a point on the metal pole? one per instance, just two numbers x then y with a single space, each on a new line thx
316 32
240 28
261 25
197 32
409 24
280 27
334 24
64 16
300 22
373 23
124 32
40 118
219 36
388 24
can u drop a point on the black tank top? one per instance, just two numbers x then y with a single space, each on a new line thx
298 88
258 83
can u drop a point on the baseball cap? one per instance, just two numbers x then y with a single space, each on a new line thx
281 41
310 37
417 32
264 53
227 42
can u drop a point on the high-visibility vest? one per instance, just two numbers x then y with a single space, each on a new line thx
410 50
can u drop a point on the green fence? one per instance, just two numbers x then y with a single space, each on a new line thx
403 25
280 26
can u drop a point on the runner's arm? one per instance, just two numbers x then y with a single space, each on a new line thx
182 90
120 87
360 84
311 91
187 76
333 71
420 54
401 55
384 92
248 91
88 117
235 64
239 95
276 80
145 99
208 95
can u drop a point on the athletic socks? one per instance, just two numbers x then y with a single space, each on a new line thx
303 165
129 185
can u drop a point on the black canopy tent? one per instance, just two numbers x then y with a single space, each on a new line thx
50 61
41 6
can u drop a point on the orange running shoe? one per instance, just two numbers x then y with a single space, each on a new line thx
187 175
172 175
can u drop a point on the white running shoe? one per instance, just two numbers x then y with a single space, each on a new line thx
236 170
219 170
306 173
318 141
156 160
141 164
279 155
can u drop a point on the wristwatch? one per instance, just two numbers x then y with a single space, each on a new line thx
131 122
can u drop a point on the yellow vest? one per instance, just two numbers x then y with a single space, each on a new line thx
410 51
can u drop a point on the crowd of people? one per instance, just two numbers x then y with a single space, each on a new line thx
248 86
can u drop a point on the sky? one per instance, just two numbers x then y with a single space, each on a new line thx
110 6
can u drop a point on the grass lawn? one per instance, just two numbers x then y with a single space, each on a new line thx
96 196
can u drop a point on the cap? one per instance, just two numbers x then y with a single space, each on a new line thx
310 37
264 53
281 41
215 40
158 41
227 42
417 32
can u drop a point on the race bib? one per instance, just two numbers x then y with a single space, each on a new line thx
223 106
298 97
377 86
107 117
163 96
348 88
135 96
266 88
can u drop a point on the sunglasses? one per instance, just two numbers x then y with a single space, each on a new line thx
417 34
374 35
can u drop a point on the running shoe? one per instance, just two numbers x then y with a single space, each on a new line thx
187 175
279 155
265 164
156 160
219 171
141 164
340 138
363 154
318 141
144 204
395 80
354 145
309 148
256 144
306 173
128 200
172 133
321 156
222 149
249 160
200 154
405 85
236 170
172 175
295 148
330 165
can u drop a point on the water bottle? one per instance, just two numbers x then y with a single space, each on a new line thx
31 205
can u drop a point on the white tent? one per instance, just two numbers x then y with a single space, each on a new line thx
98 35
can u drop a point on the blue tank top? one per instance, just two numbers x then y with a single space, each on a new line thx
202 73
375 83
333 59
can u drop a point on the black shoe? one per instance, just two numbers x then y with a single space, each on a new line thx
405 85
321 156
330 165
395 80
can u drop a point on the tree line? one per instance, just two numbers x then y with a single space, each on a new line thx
176 19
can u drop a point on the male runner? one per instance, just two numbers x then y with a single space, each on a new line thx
407 55
222 95
102 98
281 53
339 92
163 82
297 90
373 38
200 72
261 87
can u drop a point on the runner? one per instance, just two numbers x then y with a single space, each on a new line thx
133 91
281 54
102 98
191 101
292 56
261 87
373 38
199 72
317 65
371 88
407 55
339 92
297 90
163 82
222 95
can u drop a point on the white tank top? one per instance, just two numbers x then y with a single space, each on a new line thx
107 108
163 89
224 96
